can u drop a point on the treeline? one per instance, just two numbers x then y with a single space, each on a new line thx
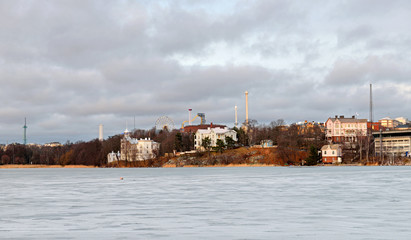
93 152
291 142
81 153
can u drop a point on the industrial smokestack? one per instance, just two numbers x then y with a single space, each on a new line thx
100 132
246 107
236 122
189 116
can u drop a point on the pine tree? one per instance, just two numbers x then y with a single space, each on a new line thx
312 159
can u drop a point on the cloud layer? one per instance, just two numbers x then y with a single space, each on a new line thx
70 65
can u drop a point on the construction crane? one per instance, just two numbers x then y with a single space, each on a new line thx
201 115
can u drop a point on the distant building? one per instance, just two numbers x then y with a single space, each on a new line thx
113 157
402 120
393 143
137 150
266 143
214 134
194 128
375 126
345 130
332 153
307 127
389 123
53 144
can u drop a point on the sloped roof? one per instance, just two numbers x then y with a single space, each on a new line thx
349 120
331 146
215 130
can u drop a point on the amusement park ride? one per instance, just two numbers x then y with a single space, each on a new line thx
201 115
166 123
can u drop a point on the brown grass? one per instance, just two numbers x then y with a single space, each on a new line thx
43 166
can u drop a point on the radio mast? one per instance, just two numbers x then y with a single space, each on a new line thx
25 129
371 113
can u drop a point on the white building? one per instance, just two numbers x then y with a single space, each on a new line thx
342 130
113 157
137 150
214 134
402 120
331 153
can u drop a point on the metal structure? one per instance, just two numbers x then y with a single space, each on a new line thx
164 123
25 129
371 113
202 117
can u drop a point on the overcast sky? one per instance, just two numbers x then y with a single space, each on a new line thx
69 66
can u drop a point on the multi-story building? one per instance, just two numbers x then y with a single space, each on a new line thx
345 130
214 134
389 123
393 143
133 149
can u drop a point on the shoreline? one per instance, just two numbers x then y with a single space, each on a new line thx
15 166
10 166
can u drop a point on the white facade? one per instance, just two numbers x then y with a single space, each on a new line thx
213 134
331 153
137 150
345 129
113 157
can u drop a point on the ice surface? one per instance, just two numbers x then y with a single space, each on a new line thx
206 203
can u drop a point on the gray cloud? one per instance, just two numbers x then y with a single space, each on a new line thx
70 65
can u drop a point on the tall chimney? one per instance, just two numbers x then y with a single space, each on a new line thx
236 122
189 116
100 132
246 107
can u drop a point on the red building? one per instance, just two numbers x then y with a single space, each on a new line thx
194 128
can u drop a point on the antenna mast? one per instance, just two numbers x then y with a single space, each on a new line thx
371 114
25 129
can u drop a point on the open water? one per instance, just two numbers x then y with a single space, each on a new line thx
206 203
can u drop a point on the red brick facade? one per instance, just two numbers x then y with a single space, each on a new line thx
194 128
329 159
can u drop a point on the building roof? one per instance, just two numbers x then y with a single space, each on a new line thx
348 120
215 130
393 133
331 146
194 128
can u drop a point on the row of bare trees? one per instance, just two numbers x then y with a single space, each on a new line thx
93 152
291 141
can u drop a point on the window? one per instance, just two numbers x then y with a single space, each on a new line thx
325 152
333 153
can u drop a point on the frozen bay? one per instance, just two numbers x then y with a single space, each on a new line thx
206 203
